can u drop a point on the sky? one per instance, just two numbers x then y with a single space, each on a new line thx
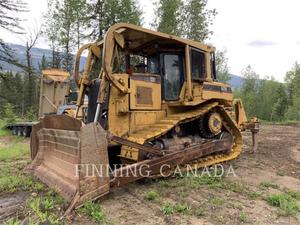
262 33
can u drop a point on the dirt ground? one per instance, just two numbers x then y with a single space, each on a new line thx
240 199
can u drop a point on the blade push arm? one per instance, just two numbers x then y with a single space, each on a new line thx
84 81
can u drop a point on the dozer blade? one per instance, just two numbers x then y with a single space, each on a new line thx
62 148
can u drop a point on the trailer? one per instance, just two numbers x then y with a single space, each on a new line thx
54 93
21 129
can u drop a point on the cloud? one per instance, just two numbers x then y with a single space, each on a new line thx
261 43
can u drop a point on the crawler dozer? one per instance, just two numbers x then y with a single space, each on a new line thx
154 103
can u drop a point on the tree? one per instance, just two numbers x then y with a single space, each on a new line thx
280 105
80 19
66 37
43 64
292 79
9 113
105 13
293 111
249 90
266 98
169 17
11 23
11 85
31 88
7 20
64 26
50 30
188 19
6 55
222 66
198 20
129 12
11 92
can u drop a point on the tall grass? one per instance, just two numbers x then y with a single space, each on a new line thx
3 131
14 150
287 204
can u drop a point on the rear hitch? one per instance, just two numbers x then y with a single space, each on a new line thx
253 126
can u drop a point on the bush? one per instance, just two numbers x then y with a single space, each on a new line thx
151 195
31 114
288 205
9 113
94 211
167 209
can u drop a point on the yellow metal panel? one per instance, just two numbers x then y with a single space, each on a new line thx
118 117
154 95
208 67
217 95
189 94
239 111
55 85
141 119
216 90
197 89
56 74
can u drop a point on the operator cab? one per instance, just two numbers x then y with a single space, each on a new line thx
169 64
155 68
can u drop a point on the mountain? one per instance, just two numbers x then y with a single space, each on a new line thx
37 54
236 81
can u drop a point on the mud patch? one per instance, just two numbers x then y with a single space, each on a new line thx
12 205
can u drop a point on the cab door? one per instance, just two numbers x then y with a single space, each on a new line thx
173 75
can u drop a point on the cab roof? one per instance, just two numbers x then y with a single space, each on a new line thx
137 37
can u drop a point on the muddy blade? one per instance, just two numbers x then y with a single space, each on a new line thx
61 157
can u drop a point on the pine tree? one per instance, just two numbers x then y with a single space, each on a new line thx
11 92
105 13
66 35
189 19
198 20
129 12
43 64
65 23
169 17
50 30
7 20
97 21
80 20
8 8
31 97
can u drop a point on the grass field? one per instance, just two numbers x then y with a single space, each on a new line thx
14 150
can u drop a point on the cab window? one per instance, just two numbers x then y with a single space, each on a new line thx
152 64
197 65
172 76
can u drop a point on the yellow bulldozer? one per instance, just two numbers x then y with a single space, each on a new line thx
154 103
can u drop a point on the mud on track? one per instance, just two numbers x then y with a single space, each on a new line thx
275 168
